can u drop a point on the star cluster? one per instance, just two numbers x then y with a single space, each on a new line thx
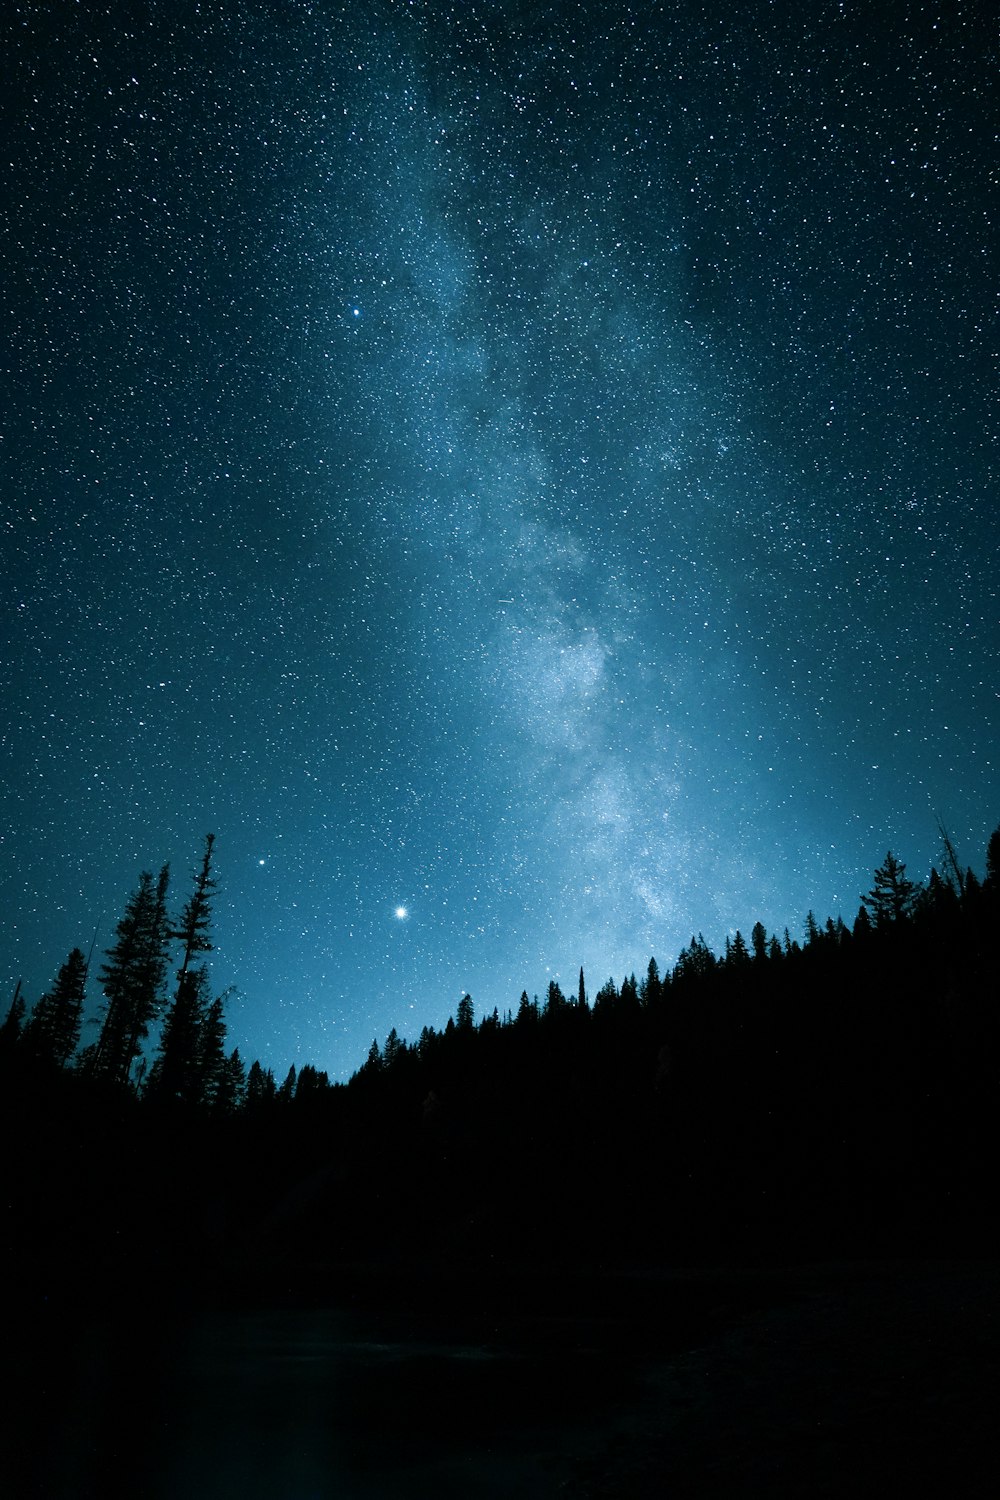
524 477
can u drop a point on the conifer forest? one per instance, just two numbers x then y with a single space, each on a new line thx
788 1093
788 1102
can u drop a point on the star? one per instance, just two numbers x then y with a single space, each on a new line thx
604 598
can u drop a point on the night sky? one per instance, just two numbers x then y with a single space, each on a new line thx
522 475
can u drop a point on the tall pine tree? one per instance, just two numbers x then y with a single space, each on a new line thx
133 979
191 1052
10 1031
892 897
193 928
176 1073
53 1031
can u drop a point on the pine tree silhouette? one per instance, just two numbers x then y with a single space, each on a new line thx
133 979
54 1028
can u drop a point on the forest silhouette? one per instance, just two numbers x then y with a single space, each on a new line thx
781 1098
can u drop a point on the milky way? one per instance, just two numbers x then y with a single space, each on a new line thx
522 476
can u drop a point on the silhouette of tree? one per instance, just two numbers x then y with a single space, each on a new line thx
737 955
939 896
581 994
758 942
212 1050
835 932
954 875
651 988
628 996
230 1092
555 1000
892 897
10 1031
862 925
311 1083
176 1072
606 998
193 927
53 1031
465 1014
133 978
261 1088
993 861
696 960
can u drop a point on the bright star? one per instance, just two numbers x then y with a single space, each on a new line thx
401 913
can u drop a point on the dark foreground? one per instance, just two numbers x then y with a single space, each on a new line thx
861 1380
837 1380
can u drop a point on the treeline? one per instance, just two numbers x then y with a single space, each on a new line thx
190 1064
788 1093
791 1094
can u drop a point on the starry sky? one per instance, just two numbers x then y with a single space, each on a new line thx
522 475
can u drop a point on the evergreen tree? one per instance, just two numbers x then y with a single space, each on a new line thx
862 925
939 896
606 998
311 1083
555 1000
261 1088
465 1014
133 978
581 994
192 1044
176 1072
628 999
426 1040
230 1093
54 1028
10 1031
758 942
892 897
696 960
737 954
651 988
211 1051
993 861
196 921
953 873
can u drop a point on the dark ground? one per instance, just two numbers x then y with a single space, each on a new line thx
858 1380
845 1379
